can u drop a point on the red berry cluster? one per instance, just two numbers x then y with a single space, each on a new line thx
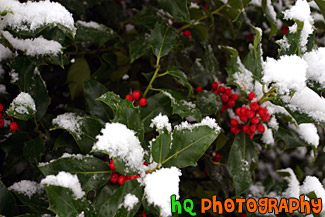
228 98
187 33
251 116
217 157
122 178
136 97
13 125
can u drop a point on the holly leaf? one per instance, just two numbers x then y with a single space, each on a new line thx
177 8
34 150
161 146
207 102
138 48
21 110
321 5
112 100
173 71
7 202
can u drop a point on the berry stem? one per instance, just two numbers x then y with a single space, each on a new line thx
266 97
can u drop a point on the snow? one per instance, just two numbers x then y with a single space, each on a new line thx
307 132
33 15
69 121
22 104
244 77
310 184
35 46
66 155
160 186
267 136
90 24
3 89
120 142
207 121
27 188
289 73
5 53
273 123
316 65
14 76
65 180
308 102
293 184
130 201
161 122
301 11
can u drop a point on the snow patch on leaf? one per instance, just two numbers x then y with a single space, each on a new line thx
69 121
161 122
27 188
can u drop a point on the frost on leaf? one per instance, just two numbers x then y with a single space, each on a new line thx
70 122
27 188
161 122
5 53
316 65
293 184
65 180
160 186
207 121
22 107
312 184
122 143
307 132
130 201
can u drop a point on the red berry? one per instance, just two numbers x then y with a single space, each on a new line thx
143 214
121 179
215 91
234 96
238 111
199 89
223 108
143 102
234 122
250 135
14 126
2 122
243 118
233 129
238 131
129 97
218 157
261 128
250 37
254 106
246 129
111 165
113 178
285 29
187 33
255 120
262 111
221 89
231 103
228 91
250 114
252 128
266 117
1 107
251 95
136 95
224 98
214 85
205 7
244 111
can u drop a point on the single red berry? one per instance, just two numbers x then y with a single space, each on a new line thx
187 33
238 111
144 163
243 118
221 89
129 97
143 102
143 214
228 91
233 122
216 91
250 114
218 157
234 96
136 95
121 179
223 108
246 129
199 89
2 122
255 120
261 128
250 37
251 95
262 111
113 178
1 107
252 128
205 7
231 103
224 98
111 165
238 131
250 135
266 117
14 126
285 29
254 106
214 85
233 129
244 111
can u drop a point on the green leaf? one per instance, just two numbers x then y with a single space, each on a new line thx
242 154
188 146
157 103
92 173
138 48
162 39
93 90
161 145
111 205
268 13
177 8
21 111
34 150
173 71
207 102
63 202
147 17
7 202
77 74
181 107
100 34
321 5
106 192
112 100
85 135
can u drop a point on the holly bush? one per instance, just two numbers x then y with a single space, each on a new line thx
110 107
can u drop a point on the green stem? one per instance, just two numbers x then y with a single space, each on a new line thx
162 74
202 18
153 78
266 97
